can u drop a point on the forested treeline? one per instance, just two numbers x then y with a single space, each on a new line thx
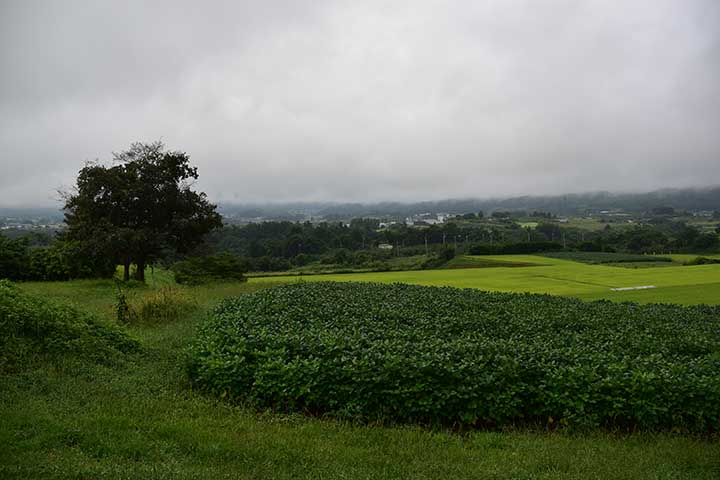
279 246
271 246
660 237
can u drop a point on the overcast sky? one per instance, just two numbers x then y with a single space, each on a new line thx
365 100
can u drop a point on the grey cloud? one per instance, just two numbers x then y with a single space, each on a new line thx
366 101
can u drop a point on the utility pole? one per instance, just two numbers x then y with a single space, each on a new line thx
426 246
443 239
564 244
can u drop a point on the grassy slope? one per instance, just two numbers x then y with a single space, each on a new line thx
684 285
143 420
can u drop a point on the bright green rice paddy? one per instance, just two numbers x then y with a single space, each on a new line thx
678 284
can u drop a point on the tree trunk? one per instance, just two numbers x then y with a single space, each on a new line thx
126 269
140 270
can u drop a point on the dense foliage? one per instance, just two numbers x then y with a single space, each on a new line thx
198 270
31 327
62 260
606 257
444 355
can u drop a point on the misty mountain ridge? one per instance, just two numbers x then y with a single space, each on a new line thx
693 199
704 198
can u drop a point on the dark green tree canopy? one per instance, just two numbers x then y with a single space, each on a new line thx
140 209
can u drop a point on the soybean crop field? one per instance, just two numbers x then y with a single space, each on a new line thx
679 284
447 356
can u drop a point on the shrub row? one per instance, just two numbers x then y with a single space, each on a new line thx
513 248
448 356
606 257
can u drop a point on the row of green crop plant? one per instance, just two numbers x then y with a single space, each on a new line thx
605 257
404 353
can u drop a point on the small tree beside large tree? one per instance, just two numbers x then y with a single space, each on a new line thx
141 209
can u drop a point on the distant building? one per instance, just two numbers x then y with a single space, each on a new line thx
385 246
702 213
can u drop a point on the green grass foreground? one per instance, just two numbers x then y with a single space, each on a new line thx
141 419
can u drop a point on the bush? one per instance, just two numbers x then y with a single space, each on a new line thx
13 257
31 328
199 270
302 259
702 261
448 356
440 257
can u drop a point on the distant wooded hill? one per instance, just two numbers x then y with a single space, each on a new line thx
679 199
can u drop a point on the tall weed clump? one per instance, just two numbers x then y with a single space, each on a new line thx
164 305
434 355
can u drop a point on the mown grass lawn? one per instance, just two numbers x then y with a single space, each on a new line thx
680 284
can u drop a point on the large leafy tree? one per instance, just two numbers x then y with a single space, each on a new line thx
140 209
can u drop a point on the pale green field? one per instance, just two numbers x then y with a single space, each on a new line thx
681 284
